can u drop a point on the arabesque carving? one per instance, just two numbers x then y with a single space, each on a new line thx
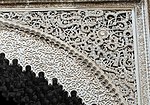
56 60
105 36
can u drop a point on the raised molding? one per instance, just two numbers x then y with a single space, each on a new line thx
58 1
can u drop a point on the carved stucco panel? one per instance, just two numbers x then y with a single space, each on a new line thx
141 56
105 36
57 63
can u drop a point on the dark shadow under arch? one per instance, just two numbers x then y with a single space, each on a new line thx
18 87
4 101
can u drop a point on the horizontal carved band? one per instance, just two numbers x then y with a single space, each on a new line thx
57 1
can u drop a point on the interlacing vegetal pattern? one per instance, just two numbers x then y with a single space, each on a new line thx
104 36
56 62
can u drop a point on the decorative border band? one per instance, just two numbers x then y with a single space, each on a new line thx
58 1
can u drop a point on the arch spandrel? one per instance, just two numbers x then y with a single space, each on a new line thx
118 47
80 73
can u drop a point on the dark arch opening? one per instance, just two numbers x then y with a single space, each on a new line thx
18 87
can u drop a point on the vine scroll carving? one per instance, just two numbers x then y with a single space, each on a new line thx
105 36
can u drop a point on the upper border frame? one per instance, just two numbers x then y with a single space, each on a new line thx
58 1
